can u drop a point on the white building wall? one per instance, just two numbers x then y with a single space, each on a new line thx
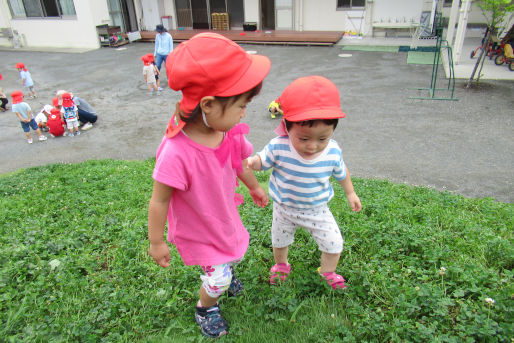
78 32
323 16
5 22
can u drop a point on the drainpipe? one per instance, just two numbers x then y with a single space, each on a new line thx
461 30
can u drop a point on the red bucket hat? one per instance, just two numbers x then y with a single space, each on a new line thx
55 111
66 100
145 60
309 98
17 97
149 56
55 102
209 64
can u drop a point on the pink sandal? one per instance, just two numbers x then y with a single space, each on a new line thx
280 270
334 280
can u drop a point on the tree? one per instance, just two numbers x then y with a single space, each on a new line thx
495 12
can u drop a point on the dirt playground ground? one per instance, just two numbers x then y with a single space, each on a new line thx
463 146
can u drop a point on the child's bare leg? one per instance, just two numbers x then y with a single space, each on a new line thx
38 131
280 254
205 299
329 262
28 135
155 86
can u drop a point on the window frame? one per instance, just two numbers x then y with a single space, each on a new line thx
350 7
42 10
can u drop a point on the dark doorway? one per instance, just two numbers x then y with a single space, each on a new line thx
200 17
268 14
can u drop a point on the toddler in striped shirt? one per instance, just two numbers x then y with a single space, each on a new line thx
304 157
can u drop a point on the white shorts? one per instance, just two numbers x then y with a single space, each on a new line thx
71 123
318 221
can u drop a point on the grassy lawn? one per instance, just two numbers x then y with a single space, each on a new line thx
419 263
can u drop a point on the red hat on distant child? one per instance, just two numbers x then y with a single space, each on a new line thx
55 102
55 111
145 60
20 65
309 98
66 100
17 97
150 57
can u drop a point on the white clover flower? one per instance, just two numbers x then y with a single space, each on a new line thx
417 288
489 301
442 271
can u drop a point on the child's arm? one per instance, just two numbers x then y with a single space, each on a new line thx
157 213
258 194
156 70
353 199
18 114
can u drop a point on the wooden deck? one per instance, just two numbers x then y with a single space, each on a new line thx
328 38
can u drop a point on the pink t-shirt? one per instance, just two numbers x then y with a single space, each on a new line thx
203 221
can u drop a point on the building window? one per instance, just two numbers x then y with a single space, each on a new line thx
42 8
349 4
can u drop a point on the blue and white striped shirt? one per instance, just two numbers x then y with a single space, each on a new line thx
297 182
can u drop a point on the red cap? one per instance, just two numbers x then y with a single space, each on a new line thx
17 97
149 56
66 100
311 97
209 64
55 111
20 65
145 60
55 102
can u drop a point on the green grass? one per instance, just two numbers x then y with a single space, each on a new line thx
421 57
74 266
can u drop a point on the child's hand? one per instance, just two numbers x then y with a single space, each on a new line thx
254 162
160 253
354 201
259 196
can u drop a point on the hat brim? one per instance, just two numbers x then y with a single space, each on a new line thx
255 74
313 114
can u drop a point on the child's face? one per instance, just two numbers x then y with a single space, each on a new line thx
308 141
223 119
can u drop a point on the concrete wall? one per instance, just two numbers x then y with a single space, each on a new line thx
402 10
77 32
322 16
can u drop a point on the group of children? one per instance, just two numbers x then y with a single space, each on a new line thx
204 141
151 73
59 119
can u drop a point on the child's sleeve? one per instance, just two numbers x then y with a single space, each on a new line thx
267 156
339 172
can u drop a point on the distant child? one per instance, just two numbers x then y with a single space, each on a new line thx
273 108
157 72
26 80
202 154
303 158
149 74
23 111
3 101
56 125
42 117
70 114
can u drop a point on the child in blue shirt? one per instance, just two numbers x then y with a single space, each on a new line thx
24 113
26 80
304 157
